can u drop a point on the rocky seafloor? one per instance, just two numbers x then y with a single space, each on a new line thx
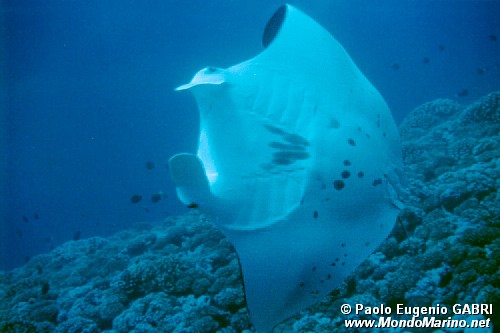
182 275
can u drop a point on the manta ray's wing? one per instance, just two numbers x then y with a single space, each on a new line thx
298 164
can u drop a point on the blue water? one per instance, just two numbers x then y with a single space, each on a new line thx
90 100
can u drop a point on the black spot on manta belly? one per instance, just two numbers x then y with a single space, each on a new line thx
345 174
286 146
334 123
274 130
291 155
296 139
338 184
282 161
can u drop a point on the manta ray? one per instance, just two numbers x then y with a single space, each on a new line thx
299 165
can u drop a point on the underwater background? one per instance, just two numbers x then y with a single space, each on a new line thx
90 117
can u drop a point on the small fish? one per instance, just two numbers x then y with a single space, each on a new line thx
395 67
150 165
441 47
463 93
25 219
77 235
36 216
493 37
136 198
480 71
156 197
45 288
426 60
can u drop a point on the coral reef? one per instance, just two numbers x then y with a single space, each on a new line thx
182 275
